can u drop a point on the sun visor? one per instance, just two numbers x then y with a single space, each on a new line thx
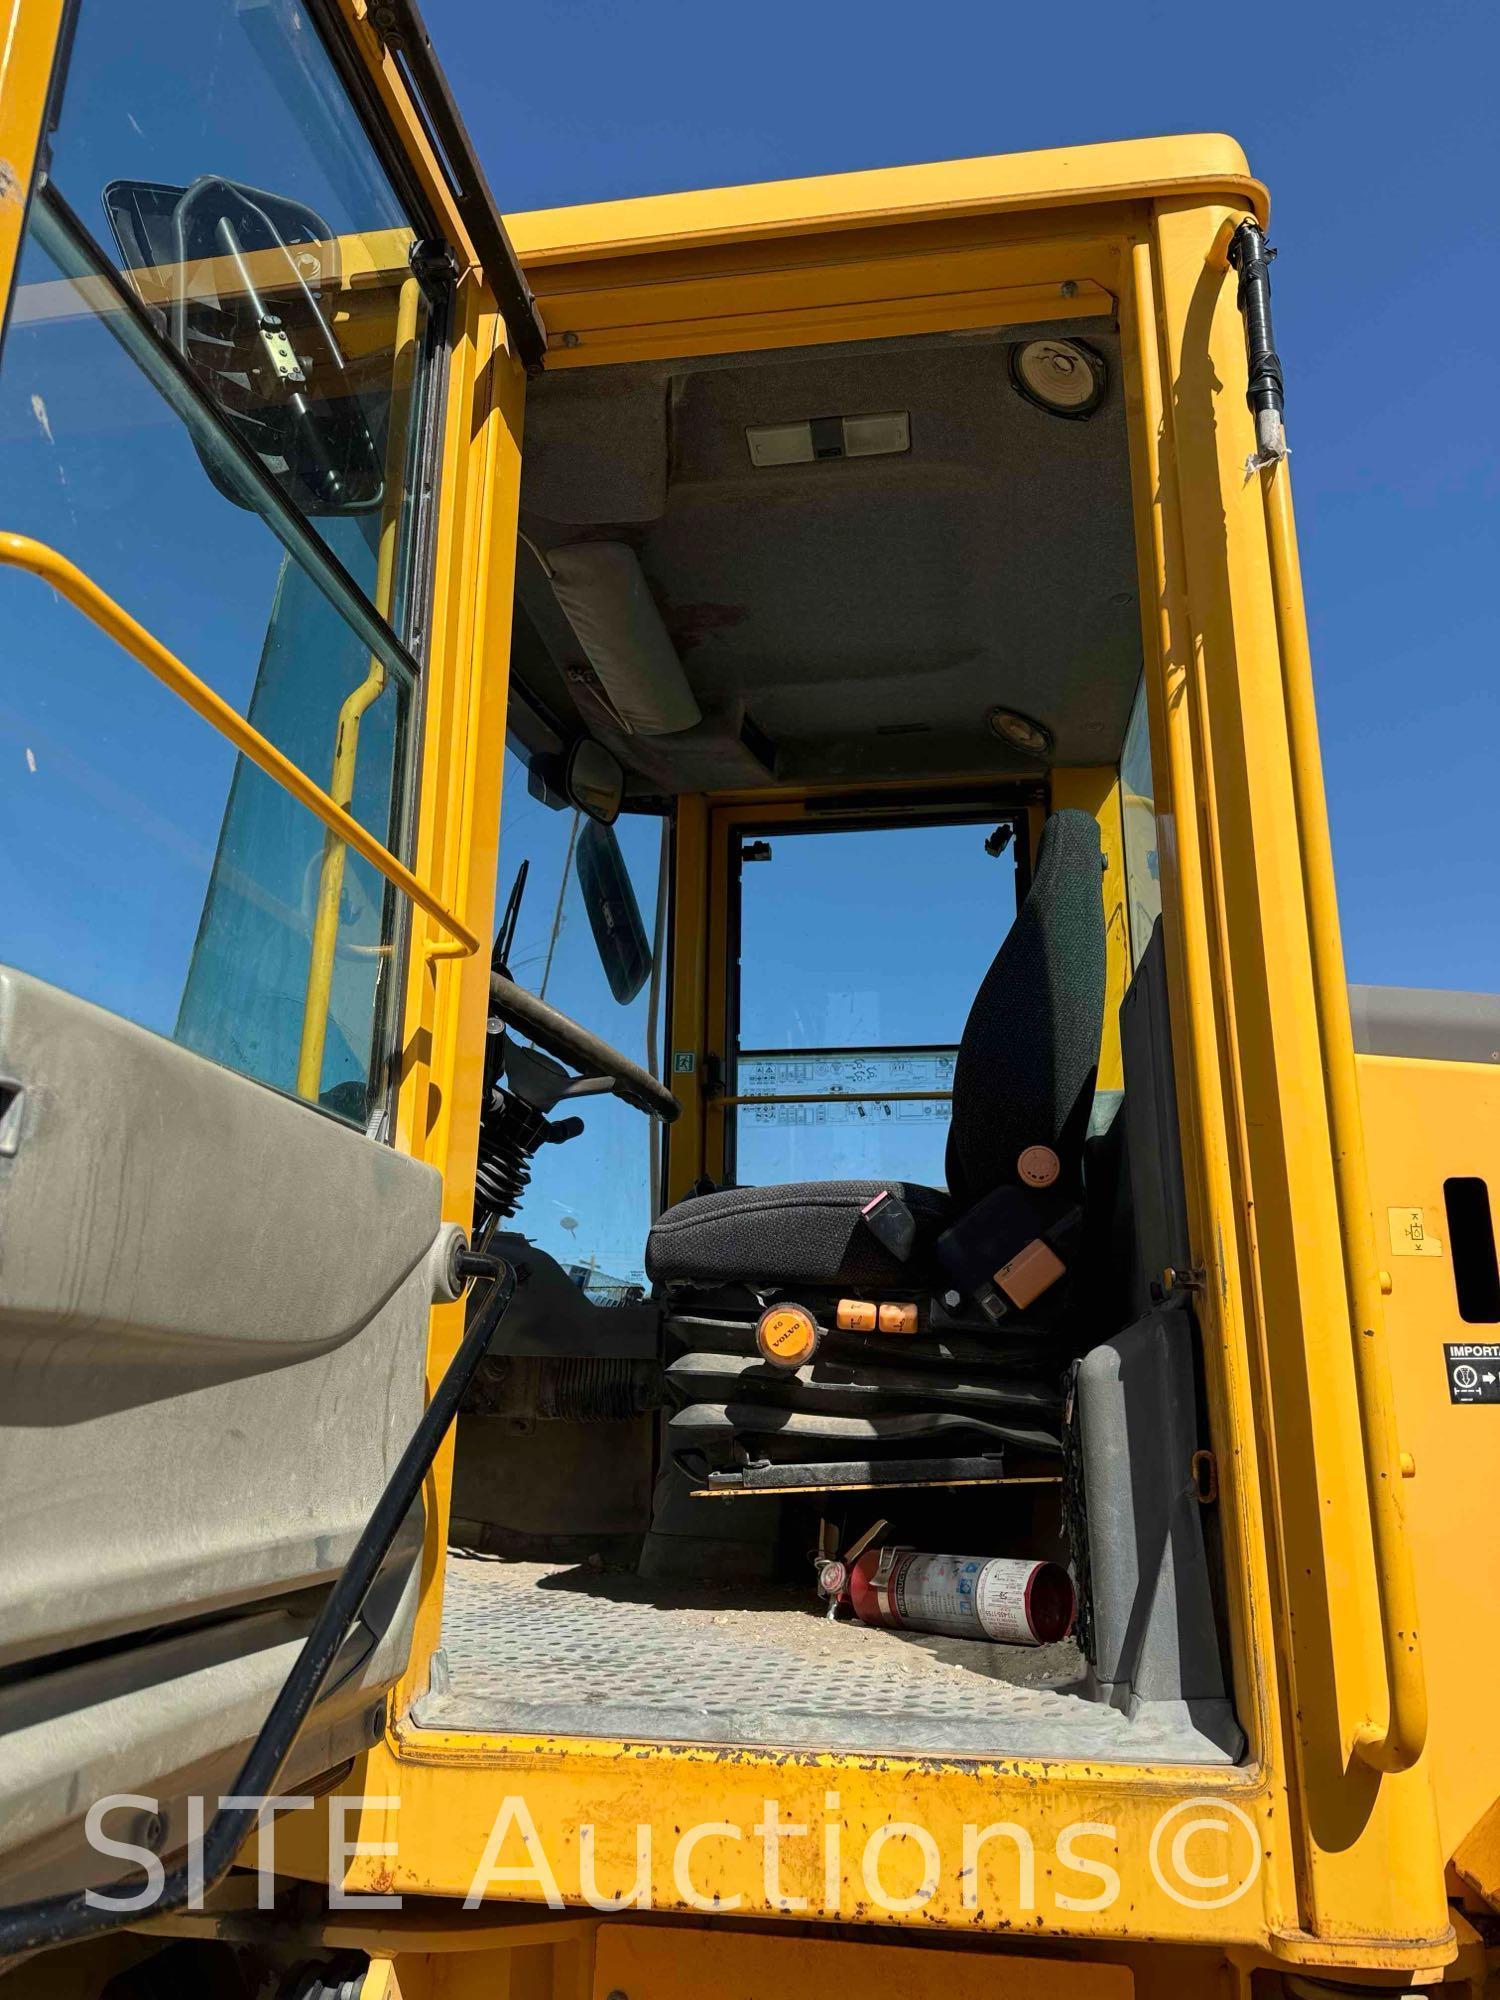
608 603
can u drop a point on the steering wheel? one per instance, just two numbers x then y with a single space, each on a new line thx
571 1043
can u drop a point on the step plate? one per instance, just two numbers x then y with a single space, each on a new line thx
535 1649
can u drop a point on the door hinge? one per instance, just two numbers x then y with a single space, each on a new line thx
433 263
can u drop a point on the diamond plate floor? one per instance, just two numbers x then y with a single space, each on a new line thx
539 1649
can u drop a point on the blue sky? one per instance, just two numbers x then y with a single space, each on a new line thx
1374 127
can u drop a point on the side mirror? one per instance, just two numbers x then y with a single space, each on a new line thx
594 781
247 285
614 914
589 778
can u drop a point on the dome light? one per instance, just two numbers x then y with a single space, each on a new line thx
1021 732
1063 377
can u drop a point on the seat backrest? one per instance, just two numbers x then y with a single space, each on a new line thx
1030 1047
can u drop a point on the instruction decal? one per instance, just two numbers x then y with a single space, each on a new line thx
1473 1370
1410 1236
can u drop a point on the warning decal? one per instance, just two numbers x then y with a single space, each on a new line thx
1473 1370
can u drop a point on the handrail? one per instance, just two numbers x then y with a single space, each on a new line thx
77 1913
47 564
1397 1744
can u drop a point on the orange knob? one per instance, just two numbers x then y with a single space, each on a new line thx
787 1335
1038 1166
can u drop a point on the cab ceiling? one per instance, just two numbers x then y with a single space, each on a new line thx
852 618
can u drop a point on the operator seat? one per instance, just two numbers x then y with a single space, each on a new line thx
1023 1087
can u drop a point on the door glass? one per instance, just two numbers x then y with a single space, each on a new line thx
859 955
1138 808
589 1204
217 163
146 867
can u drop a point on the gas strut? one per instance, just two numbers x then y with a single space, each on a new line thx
1250 255
55 1920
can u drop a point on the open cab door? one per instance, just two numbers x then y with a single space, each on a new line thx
230 318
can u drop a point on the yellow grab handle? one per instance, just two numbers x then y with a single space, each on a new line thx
1396 1744
37 559
346 737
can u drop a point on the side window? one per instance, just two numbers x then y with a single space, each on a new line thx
589 1202
215 385
860 953
1138 809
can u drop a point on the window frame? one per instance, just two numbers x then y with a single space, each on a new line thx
733 828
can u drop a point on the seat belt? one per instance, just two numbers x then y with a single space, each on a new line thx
1005 1251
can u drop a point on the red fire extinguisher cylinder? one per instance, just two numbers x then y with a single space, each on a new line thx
1014 1601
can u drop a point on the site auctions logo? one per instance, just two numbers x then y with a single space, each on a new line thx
1204 1853
1222 1823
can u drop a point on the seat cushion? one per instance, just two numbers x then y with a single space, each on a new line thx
805 1232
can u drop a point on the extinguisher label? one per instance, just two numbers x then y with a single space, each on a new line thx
968 1597
1001 1602
937 1592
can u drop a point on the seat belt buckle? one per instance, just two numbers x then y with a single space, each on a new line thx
1032 1270
1011 1247
892 1224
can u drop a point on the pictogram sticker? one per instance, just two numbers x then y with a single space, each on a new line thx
1410 1236
1473 1370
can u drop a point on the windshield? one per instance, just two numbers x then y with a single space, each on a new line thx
589 1204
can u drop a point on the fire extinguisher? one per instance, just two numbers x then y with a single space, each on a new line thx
1013 1600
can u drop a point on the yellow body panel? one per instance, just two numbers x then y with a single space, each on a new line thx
643 1961
1425 1121
28 38
1064 176
594 1961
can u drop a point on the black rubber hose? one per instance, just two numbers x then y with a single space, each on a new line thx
569 1043
1250 255
64 1919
